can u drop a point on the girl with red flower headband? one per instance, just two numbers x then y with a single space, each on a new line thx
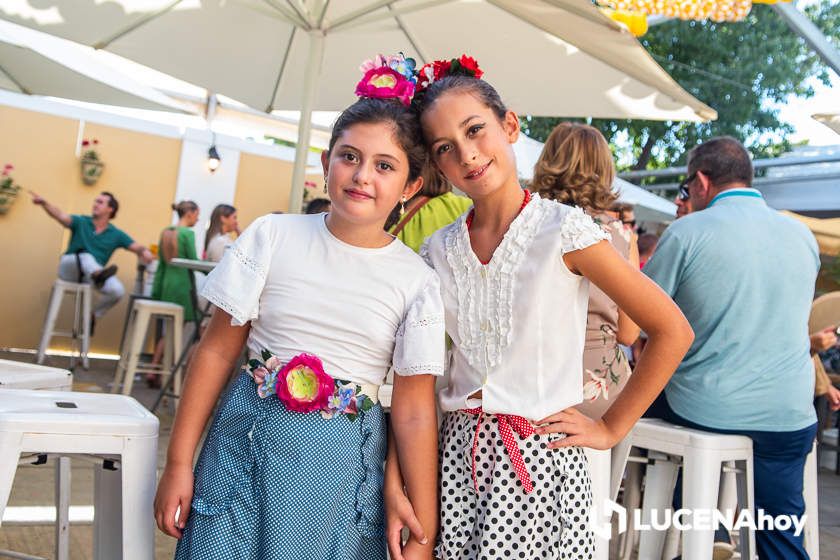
326 304
515 271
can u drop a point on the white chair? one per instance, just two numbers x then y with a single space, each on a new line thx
18 375
80 331
599 473
142 313
810 492
121 437
703 457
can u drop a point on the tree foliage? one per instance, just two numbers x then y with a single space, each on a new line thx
737 68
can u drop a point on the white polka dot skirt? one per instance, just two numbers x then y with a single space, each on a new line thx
271 484
500 520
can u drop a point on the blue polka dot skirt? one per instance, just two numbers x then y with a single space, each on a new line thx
271 484
500 520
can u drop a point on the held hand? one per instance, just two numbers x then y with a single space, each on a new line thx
147 257
580 430
415 551
398 514
175 490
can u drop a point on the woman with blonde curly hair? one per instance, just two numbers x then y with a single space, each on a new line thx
576 168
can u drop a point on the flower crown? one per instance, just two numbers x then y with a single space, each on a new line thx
395 77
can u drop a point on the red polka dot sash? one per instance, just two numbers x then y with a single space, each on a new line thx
508 423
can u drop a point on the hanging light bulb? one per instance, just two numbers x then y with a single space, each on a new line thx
213 159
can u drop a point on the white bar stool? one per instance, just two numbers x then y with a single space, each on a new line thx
117 432
80 331
142 313
703 456
19 375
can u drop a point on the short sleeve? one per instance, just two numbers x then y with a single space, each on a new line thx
579 231
667 264
421 339
237 282
75 220
125 240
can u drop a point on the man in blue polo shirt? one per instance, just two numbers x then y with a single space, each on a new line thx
743 274
93 240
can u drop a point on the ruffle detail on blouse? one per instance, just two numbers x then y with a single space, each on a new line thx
485 292
579 231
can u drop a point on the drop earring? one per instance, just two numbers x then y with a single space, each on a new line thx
402 206
325 187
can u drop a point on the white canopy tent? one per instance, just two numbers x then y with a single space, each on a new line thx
562 57
831 120
37 63
649 207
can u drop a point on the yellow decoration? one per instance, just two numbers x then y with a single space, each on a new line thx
636 22
716 10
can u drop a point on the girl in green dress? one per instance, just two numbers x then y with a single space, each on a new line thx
172 283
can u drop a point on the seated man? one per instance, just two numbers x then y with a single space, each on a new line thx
92 241
744 276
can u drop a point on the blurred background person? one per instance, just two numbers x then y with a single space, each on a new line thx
223 223
318 205
173 284
433 207
576 168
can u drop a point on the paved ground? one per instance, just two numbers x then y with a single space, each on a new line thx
34 487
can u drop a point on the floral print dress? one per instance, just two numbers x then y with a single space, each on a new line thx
605 367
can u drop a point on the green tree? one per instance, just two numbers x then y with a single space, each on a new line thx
737 68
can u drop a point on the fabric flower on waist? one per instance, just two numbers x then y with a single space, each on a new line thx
302 385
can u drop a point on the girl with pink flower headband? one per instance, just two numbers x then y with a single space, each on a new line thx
293 464
514 273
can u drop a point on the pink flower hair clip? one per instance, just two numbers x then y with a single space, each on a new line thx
388 77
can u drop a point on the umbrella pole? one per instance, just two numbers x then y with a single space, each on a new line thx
310 87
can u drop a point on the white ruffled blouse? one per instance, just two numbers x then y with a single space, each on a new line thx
518 323
304 290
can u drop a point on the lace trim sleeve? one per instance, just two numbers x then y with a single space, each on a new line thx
236 284
421 338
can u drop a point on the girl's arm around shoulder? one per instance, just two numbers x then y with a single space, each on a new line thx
208 373
412 467
669 334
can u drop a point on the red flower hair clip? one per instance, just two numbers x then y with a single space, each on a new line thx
434 71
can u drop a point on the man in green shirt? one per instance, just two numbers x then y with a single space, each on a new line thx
92 241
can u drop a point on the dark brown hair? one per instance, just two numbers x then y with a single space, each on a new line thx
402 120
184 207
482 91
215 227
112 203
723 160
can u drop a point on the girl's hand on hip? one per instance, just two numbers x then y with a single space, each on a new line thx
399 514
175 490
580 430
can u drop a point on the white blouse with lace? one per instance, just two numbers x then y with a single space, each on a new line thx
304 290
518 323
